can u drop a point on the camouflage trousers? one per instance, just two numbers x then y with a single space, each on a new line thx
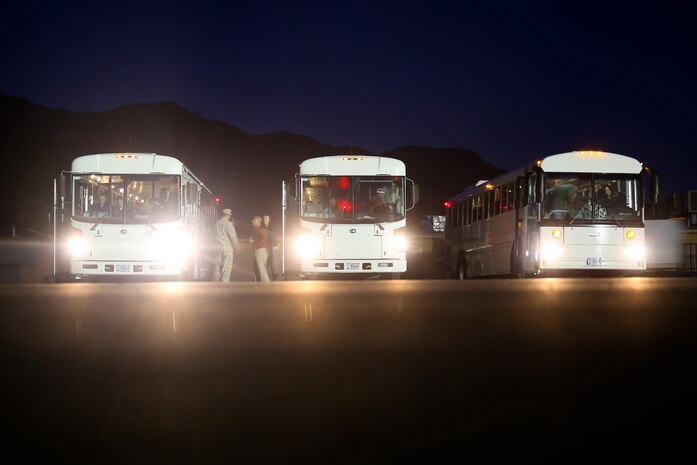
225 267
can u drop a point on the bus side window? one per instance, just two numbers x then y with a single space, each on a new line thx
504 198
521 192
480 207
497 201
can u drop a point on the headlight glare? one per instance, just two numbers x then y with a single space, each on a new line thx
399 244
173 244
307 246
635 252
551 251
77 246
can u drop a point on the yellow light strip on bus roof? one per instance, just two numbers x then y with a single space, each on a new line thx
590 153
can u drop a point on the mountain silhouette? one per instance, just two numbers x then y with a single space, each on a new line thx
245 170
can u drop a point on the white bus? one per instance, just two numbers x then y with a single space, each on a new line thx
346 217
132 214
581 210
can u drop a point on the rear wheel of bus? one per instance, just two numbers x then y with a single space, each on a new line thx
516 268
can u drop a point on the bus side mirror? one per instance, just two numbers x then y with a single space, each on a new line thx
289 203
539 192
413 192
290 191
654 188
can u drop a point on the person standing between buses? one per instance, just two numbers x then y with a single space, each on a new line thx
273 247
260 239
226 238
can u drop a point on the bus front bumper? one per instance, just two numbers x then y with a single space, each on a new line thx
125 268
353 266
591 258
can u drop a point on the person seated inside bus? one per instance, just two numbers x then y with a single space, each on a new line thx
312 208
117 209
596 207
560 199
315 204
164 202
143 210
101 209
605 200
377 203
607 196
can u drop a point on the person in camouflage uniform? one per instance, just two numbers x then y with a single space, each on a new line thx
226 238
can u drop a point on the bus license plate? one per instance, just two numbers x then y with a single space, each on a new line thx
123 268
353 266
594 261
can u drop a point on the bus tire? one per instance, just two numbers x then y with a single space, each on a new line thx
516 271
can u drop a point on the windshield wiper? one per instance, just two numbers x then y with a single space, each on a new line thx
574 218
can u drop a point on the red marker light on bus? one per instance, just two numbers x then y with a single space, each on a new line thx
447 204
344 205
217 200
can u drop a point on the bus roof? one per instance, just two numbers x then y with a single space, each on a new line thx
352 165
580 161
591 162
127 163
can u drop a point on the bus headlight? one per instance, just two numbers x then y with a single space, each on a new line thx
551 251
398 244
77 246
307 246
635 252
173 244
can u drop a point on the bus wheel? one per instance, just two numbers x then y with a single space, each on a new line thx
461 270
516 271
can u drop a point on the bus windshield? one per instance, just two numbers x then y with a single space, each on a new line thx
572 197
126 199
352 199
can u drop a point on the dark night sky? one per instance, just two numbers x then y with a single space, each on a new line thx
511 82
